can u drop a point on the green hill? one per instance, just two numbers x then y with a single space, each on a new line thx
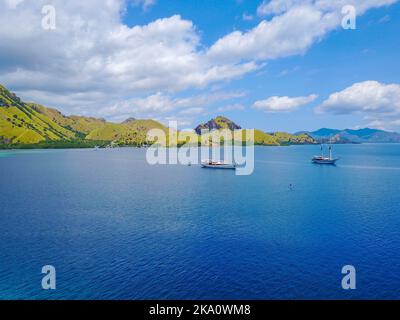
77 124
128 133
33 125
260 137
217 124
22 123
285 138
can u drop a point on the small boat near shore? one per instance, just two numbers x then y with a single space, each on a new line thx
217 165
321 159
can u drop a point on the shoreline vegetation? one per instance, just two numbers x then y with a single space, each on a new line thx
26 125
56 145
84 144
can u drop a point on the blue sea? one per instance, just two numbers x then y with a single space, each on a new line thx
115 227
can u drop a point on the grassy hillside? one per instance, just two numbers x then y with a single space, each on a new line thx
22 123
78 124
128 133
25 125
217 123
260 137
28 124
284 138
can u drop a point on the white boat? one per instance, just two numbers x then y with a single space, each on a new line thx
325 160
217 165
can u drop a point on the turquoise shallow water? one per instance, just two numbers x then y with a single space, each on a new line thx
117 228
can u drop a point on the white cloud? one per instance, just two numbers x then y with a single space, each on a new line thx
93 62
295 26
145 4
154 104
377 124
13 3
381 124
283 104
378 103
368 97
289 34
159 56
275 7
92 55
165 106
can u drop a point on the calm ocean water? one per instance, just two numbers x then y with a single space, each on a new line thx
117 228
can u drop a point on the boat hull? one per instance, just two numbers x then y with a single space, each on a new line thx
325 161
218 166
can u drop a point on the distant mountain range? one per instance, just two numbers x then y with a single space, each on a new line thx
365 135
29 125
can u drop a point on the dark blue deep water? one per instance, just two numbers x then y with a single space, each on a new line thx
117 228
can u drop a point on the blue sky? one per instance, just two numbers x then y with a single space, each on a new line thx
360 66
371 52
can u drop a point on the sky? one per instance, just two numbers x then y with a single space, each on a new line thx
286 65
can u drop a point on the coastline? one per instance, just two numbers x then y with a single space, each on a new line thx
90 145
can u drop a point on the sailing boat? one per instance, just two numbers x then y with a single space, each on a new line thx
217 165
325 160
